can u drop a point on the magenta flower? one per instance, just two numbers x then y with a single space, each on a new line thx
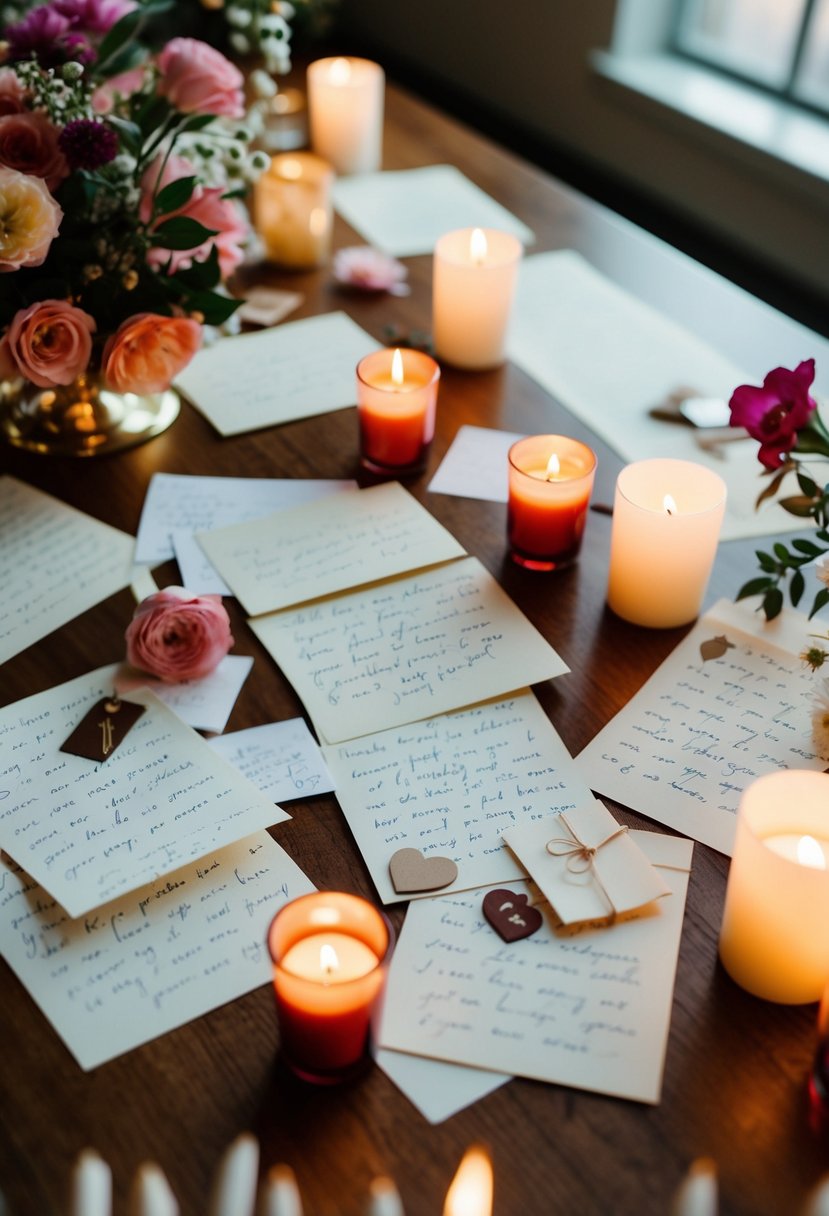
776 412
87 144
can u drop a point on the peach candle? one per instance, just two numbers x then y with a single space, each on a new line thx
667 516
473 286
550 480
396 400
774 940
330 952
345 104
293 210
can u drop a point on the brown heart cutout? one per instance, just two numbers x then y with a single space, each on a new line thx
509 914
410 872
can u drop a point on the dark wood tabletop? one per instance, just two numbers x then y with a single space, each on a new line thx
736 1067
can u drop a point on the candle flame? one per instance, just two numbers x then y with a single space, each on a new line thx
809 853
553 466
478 246
329 963
669 505
397 368
340 71
317 221
471 1191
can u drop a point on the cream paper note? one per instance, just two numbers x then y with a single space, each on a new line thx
586 1006
476 465
204 704
314 550
154 959
438 1090
280 758
55 563
451 785
90 832
407 649
730 703
296 370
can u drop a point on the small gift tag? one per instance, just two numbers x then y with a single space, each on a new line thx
510 915
586 864
102 729
266 305
412 872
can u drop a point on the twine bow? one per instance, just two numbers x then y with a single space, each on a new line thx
581 857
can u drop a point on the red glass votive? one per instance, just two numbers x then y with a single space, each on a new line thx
330 953
550 482
396 398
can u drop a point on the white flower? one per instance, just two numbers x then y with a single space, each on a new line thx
239 42
822 568
240 17
263 85
820 719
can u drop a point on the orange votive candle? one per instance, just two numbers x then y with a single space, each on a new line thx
550 481
396 401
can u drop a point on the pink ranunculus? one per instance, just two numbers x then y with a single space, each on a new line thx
122 85
29 143
206 205
148 351
178 636
197 79
93 16
50 342
776 412
12 93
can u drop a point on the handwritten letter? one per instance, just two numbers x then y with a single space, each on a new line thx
280 758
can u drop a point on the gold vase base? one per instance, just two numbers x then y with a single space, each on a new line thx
81 419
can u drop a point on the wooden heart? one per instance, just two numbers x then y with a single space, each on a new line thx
410 872
509 914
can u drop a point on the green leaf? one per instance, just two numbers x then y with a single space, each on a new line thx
152 114
821 600
181 232
196 122
798 504
214 308
807 546
806 484
781 552
797 587
809 441
754 586
174 195
118 36
129 132
772 603
822 534
766 562
200 275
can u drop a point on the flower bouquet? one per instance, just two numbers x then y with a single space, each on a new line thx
120 175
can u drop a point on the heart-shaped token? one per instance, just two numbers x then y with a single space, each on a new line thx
410 872
510 915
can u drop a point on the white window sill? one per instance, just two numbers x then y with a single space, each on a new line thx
764 133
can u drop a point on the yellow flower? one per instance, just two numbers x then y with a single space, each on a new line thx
29 220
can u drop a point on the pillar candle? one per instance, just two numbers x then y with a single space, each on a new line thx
396 402
550 480
474 275
774 940
345 104
330 952
666 524
293 209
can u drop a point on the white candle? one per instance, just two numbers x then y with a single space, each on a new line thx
91 1190
474 275
293 209
151 1193
697 1195
345 104
234 1189
281 1194
385 1200
666 524
774 939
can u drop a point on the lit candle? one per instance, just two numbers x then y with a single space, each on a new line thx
698 1193
345 103
550 480
396 400
471 1191
473 285
292 204
151 1194
281 1193
774 939
91 1188
384 1199
234 1187
817 1203
329 951
666 524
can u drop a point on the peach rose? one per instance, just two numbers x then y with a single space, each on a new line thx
148 351
12 92
29 143
29 220
50 342
178 636
197 79
206 205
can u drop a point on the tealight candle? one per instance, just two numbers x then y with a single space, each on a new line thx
550 480
774 940
473 285
396 401
329 951
293 209
666 524
345 103
471 1189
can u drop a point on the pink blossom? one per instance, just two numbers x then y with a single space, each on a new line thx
123 85
776 412
369 269
50 342
178 636
12 93
206 205
197 79
29 143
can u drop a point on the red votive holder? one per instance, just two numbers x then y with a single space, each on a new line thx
550 482
330 954
397 394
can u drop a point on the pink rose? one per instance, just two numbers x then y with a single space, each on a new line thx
50 342
205 205
109 91
29 143
178 636
197 79
12 93
148 351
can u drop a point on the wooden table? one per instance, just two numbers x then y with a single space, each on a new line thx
736 1067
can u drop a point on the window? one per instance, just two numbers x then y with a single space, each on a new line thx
782 45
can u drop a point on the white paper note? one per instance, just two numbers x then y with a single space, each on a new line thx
409 649
610 359
280 758
297 370
152 960
90 832
701 729
451 785
176 501
55 562
404 212
475 466
311 551
583 1006
204 704
438 1090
